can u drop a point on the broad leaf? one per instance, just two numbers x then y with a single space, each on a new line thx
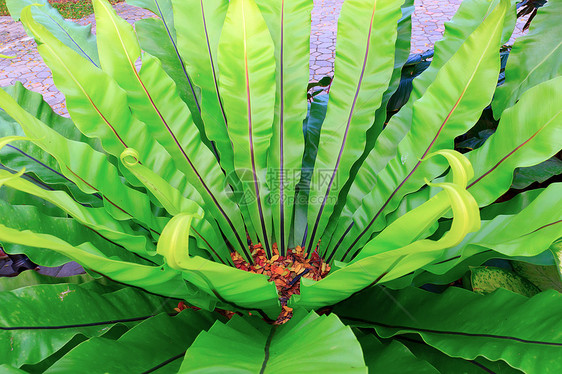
401 57
75 36
91 105
158 342
363 68
292 52
31 218
524 177
152 96
161 280
395 256
88 169
247 85
391 358
48 316
231 286
157 36
500 326
495 162
534 58
448 364
511 206
525 137
33 278
527 233
34 103
307 343
487 279
445 111
17 155
544 277
97 219
202 34
465 21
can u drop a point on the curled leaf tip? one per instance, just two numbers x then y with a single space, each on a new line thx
129 157
6 176
461 167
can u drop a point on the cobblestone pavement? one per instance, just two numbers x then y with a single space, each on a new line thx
28 68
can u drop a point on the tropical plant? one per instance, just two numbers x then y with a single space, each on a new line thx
184 162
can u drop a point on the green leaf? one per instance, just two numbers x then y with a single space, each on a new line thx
40 167
412 225
88 169
285 20
247 83
391 358
524 177
401 56
161 8
40 367
525 137
7 369
33 103
158 279
71 34
312 126
438 275
16 197
509 22
91 97
512 206
527 233
544 277
157 36
487 279
160 341
448 364
363 68
152 96
241 289
36 161
524 332
96 219
48 316
206 232
534 58
202 34
395 256
31 218
451 105
307 343
33 278
466 20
